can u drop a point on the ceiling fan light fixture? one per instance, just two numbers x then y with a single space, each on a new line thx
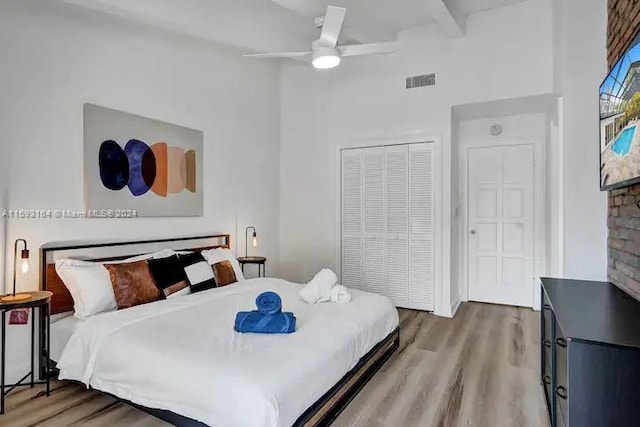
325 58
325 52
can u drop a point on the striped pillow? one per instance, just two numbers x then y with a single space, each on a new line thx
198 272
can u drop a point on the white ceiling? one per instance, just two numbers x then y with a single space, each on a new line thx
474 6
285 25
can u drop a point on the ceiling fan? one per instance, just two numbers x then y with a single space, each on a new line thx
325 52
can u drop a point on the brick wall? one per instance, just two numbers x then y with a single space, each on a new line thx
624 212
624 21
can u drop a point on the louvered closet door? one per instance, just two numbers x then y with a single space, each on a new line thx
352 242
374 213
421 181
397 223
387 216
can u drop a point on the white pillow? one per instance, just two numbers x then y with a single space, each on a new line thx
217 255
89 283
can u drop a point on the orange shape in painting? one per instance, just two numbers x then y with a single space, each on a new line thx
190 157
177 170
160 183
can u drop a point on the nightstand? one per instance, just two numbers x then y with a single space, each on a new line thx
259 260
41 300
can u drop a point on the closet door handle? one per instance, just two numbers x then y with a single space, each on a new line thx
561 342
546 307
472 231
546 379
547 343
561 392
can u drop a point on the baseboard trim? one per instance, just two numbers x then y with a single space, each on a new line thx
455 307
451 310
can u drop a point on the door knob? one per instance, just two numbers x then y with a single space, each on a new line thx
473 231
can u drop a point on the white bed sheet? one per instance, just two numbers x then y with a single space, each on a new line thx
62 328
183 355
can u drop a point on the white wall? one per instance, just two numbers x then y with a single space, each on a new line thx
6 285
519 129
506 53
580 66
56 57
4 186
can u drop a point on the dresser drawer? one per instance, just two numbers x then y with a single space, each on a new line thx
560 347
547 350
561 396
547 319
561 391
548 389
560 421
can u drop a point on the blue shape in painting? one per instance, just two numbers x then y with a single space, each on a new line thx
139 161
113 165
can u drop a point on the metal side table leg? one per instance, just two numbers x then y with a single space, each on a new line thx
2 367
33 334
48 348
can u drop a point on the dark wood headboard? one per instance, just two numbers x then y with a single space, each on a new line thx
61 300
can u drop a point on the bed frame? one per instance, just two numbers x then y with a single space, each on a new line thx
322 413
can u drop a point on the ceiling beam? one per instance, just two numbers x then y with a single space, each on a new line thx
268 28
451 21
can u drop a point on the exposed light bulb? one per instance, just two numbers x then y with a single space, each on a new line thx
255 240
25 266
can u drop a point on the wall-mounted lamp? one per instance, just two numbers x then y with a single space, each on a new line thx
24 269
254 241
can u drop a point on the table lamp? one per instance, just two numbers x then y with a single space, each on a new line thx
246 240
24 269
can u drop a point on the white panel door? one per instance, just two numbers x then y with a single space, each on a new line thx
352 241
501 222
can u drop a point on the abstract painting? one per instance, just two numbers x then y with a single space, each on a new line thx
133 163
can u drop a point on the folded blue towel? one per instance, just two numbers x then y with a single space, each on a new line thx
269 303
254 321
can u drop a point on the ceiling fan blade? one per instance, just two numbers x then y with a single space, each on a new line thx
332 25
368 49
277 55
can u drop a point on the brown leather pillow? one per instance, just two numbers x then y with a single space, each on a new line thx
223 273
133 284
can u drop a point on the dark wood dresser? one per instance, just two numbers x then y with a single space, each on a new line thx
590 354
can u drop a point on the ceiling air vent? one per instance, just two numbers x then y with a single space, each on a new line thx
421 81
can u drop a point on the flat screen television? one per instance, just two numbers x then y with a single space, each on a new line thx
620 121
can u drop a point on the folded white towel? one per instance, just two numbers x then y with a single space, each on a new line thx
339 294
317 287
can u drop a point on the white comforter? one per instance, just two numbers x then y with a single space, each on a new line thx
183 355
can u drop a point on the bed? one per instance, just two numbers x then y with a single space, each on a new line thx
179 359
